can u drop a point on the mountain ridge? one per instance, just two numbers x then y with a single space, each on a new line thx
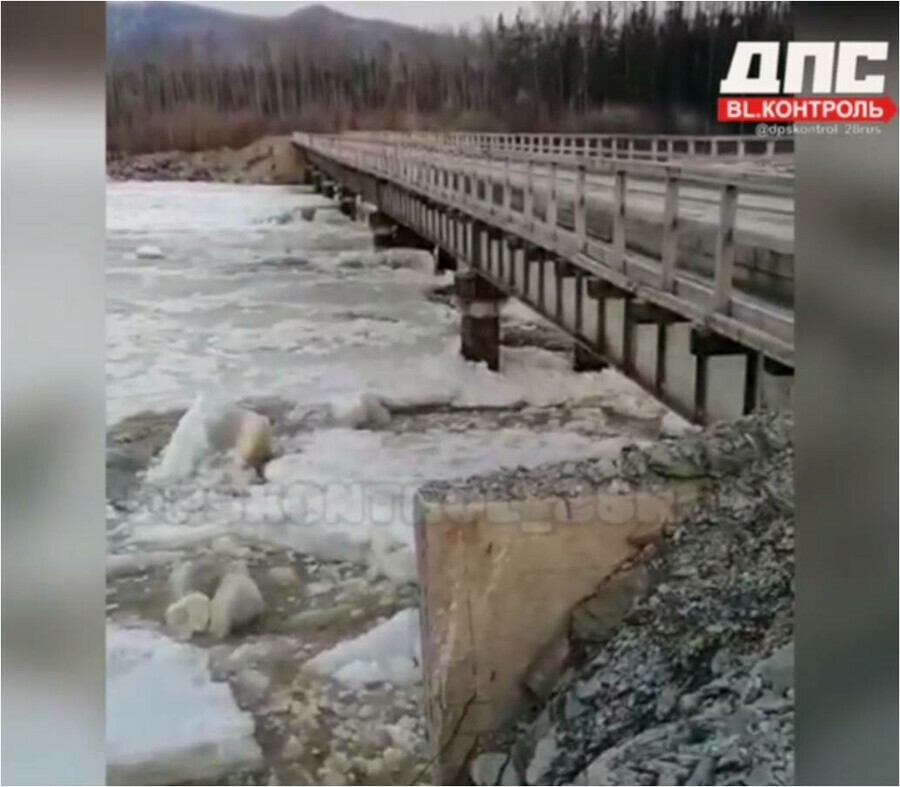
149 30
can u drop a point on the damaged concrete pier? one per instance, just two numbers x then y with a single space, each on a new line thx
567 608
499 576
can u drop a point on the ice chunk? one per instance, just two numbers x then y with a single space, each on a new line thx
167 722
360 412
187 446
388 653
673 425
149 253
209 427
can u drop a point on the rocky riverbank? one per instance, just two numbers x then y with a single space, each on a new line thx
684 659
268 160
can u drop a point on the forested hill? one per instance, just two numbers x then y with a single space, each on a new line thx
183 76
153 30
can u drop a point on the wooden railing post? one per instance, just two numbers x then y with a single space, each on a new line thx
507 187
619 220
670 233
551 203
528 199
580 208
724 270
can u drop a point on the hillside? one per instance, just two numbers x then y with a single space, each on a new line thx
153 30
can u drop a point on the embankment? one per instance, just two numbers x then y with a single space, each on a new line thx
676 668
271 159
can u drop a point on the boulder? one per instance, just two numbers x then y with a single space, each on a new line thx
236 603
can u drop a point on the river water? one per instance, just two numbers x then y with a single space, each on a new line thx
225 294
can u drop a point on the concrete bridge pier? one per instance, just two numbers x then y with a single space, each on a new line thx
776 385
444 261
583 360
479 304
390 235
348 202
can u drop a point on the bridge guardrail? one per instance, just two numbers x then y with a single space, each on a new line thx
632 147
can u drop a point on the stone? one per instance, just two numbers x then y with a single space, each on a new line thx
544 754
778 669
393 758
596 618
293 748
189 615
486 768
250 687
702 773
319 618
283 575
544 671
236 603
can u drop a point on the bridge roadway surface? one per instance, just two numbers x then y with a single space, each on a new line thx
765 199
707 243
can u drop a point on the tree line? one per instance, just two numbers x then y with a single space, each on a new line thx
597 67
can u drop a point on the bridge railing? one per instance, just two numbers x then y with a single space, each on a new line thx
633 147
367 146
465 184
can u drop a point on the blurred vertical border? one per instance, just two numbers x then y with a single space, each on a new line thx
846 431
53 556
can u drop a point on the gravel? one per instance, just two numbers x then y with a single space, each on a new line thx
694 685
716 453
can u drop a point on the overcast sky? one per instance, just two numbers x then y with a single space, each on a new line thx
421 13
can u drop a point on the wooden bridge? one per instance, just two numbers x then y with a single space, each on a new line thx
670 258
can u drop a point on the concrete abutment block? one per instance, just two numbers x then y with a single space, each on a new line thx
499 581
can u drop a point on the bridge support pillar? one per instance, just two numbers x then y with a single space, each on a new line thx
479 302
396 236
583 360
776 385
347 204
444 261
